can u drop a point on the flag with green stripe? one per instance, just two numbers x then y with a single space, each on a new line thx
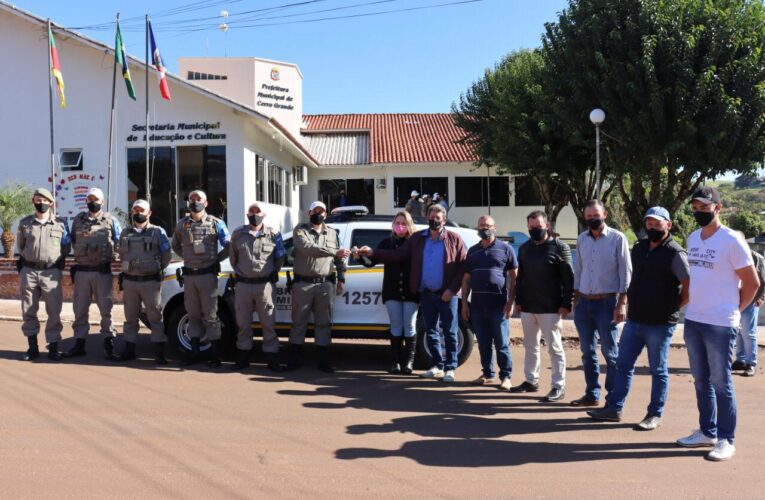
122 61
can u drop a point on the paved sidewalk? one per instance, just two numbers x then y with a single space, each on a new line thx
10 310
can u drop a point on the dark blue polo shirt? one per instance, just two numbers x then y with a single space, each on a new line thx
488 268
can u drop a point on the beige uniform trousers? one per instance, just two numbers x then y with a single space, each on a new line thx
313 298
255 297
200 296
135 293
46 285
87 286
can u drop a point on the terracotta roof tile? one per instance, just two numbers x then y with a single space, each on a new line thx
400 138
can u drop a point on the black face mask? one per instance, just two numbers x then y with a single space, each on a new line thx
703 218
196 206
94 207
486 234
537 233
42 207
255 220
434 224
594 224
140 218
317 219
655 235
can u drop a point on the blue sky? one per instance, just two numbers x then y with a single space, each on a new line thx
417 61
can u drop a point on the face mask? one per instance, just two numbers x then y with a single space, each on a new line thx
94 207
196 206
42 207
594 224
703 218
655 235
317 219
537 233
486 234
434 224
255 220
400 229
140 218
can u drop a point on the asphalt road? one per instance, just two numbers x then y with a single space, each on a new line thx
96 429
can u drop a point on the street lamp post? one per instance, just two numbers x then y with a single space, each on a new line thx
597 117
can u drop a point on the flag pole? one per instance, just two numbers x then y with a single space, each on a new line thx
50 112
111 125
148 181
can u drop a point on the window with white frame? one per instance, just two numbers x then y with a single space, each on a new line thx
70 160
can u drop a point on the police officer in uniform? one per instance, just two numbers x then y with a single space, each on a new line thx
256 254
43 241
319 275
95 235
196 239
144 253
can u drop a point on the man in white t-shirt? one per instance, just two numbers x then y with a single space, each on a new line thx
723 282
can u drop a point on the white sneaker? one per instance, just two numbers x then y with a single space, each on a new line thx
449 376
434 372
505 385
723 450
697 439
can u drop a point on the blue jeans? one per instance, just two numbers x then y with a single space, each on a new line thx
746 340
710 349
593 320
492 328
434 308
403 317
634 337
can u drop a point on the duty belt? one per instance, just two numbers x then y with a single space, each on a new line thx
192 271
105 268
40 266
316 280
253 281
151 277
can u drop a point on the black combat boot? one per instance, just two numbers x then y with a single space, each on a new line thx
410 346
193 357
242 360
128 353
272 362
77 350
53 353
159 353
325 364
395 351
294 360
109 347
34 351
214 361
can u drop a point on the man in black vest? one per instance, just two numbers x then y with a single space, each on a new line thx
658 290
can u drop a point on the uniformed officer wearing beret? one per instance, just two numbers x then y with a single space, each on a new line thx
95 235
319 276
256 254
196 239
43 241
144 254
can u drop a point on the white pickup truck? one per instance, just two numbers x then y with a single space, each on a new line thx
358 313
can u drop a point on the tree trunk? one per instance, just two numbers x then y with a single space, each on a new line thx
8 240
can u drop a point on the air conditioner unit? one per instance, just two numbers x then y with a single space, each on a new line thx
301 175
381 183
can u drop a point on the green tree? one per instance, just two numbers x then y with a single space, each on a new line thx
682 83
15 202
747 222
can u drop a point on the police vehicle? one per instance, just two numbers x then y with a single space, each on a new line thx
358 313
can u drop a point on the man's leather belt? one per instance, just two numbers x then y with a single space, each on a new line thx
192 271
253 281
316 280
598 296
39 266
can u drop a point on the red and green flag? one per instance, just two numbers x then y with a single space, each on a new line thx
122 62
55 68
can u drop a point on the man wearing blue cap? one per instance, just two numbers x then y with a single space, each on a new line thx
659 288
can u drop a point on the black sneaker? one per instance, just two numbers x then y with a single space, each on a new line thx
738 366
606 414
555 394
649 423
750 371
525 387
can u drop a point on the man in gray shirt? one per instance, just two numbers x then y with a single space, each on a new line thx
601 276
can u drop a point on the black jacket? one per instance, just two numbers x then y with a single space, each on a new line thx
545 277
654 291
396 275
